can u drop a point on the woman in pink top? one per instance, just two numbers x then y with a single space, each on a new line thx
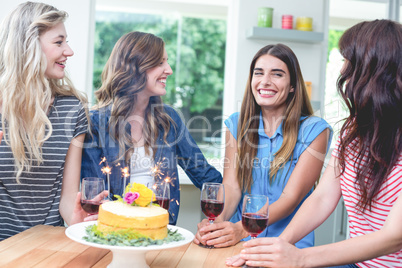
365 168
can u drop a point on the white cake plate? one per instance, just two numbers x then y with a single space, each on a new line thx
126 256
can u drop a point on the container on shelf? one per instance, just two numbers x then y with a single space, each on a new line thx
309 87
287 22
265 15
304 23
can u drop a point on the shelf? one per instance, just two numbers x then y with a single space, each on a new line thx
284 35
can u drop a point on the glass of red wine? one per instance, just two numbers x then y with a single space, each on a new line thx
212 200
255 214
162 194
91 194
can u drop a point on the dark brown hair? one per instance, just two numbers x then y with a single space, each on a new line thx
370 84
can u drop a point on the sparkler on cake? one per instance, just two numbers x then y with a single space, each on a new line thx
124 172
106 170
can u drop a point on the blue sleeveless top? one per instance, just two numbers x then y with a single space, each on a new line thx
310 128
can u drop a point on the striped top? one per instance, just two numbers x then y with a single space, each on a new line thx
36 200
373 220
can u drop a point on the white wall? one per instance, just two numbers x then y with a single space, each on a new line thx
80 27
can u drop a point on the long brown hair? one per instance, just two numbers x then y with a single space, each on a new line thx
123 77
371 86
298 105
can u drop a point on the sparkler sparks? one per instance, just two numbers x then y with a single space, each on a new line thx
106 170
102 160
156 170
169 181
124 172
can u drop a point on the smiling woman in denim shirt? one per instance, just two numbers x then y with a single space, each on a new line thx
131 127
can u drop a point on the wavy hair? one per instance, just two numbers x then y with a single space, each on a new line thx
371 85
123 77
25 91
298 105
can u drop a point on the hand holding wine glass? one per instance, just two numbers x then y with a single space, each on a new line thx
92 195
255 214
212 200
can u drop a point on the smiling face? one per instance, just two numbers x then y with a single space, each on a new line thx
54 46
157 76
270 83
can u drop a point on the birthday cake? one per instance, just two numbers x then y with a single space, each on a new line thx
133 213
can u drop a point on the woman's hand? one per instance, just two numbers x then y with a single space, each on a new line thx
220 234
80 215
235 260
198 235
269 252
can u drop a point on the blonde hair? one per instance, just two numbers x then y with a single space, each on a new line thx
298 105
25 92
123 77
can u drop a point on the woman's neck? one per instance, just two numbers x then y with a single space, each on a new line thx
141 104
272 120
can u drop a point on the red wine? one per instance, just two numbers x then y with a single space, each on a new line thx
211 208
254 223
162 202
92 207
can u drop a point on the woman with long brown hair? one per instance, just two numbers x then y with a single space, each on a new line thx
131 127
365 168
274 147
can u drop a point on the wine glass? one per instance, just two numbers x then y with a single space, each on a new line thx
255 214
212 200
162 194
91 194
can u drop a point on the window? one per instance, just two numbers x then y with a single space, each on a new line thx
343 15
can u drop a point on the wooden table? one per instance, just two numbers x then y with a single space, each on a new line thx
48 246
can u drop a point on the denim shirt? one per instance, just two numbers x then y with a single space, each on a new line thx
180 149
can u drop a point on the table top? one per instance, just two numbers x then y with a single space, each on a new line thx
48 246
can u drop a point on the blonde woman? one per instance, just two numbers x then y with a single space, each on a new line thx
131 127
274 147
43 121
